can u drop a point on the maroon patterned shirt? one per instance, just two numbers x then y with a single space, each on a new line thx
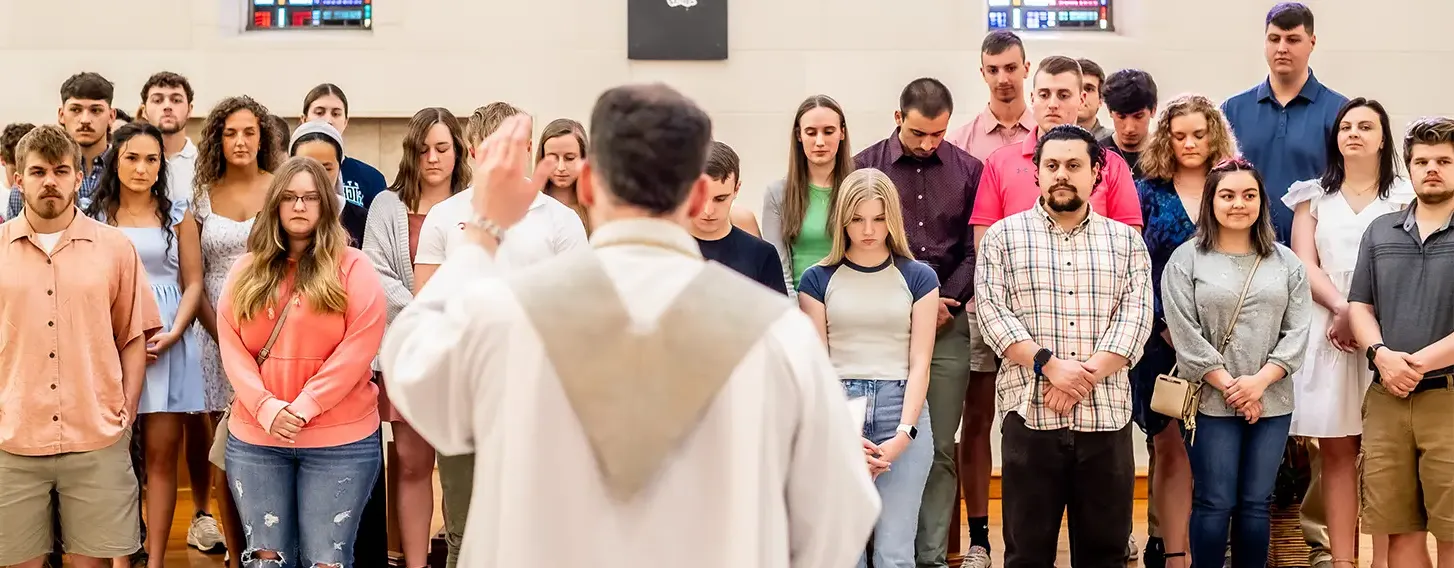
937 194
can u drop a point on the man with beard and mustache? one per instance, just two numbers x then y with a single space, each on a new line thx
1007 119
87 115
937 183
1402 309
77 300
167 103
1064 295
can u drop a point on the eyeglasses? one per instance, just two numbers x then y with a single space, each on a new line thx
307 199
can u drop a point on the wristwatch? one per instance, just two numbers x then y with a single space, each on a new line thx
910 430
1371 353
1041 358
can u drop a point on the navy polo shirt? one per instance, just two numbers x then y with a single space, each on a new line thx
1287 143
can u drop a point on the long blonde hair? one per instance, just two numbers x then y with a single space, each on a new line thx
1158 160
317 279
860 186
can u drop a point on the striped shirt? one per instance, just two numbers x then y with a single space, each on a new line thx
1075 293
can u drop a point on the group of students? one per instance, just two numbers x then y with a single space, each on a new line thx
1038 269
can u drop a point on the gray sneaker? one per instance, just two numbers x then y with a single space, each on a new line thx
977 557
204 535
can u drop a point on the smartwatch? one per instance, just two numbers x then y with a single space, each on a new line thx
910 430
1372 353
1041 358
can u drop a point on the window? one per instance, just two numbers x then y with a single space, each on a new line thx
310 14
1050 15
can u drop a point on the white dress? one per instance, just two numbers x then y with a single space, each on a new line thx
223 242
1329 388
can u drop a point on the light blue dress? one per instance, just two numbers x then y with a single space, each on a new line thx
174 381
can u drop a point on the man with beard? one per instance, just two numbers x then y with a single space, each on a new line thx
1402 309
1064 295
77 283
167 103
87 115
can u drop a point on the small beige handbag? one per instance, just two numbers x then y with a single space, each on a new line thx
218 453
1179 398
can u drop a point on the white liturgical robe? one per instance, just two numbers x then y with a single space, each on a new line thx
769 474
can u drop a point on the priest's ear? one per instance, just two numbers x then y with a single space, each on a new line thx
698 196
586 185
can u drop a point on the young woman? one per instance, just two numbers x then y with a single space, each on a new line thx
1246 405
1329 217
876 308
361 182
236 154
322 142
564 139
390 241
132 195
1190 136
795 210
300 321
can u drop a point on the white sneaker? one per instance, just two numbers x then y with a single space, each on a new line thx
1132 553
204 535
977 557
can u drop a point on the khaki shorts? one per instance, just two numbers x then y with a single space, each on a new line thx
98 504
1408 463
981 356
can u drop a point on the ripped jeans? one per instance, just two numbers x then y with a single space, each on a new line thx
304 504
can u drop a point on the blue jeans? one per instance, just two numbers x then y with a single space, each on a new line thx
302 503
901 488
1234 465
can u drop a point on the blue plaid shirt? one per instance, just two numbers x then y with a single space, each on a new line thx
83 197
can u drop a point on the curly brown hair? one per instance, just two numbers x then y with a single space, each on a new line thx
1158 160
211 162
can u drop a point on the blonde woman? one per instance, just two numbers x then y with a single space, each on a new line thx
876 309
1190 137
299 322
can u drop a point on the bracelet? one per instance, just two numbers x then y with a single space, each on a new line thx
489 227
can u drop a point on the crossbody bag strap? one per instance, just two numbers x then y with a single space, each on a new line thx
277 327
1232 326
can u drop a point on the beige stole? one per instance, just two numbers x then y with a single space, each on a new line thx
639 391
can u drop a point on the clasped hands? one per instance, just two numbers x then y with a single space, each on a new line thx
286 425
881 456
1244 393
1399 372
1070 381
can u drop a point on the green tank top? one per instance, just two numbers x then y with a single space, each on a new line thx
813 242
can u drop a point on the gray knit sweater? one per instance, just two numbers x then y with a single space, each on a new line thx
386 242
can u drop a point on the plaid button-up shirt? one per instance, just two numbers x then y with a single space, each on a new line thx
83 195
1074 293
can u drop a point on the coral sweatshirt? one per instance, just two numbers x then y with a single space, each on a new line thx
318 366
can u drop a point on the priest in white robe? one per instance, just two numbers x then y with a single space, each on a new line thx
630 405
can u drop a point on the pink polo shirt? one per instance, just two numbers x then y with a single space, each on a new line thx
983 135
1008 186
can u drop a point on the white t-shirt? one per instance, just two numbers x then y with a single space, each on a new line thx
548 229
48 241
181 171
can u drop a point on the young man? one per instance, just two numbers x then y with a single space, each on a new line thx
1130 96
626 411
1282 124
77 291
1402 300
1063 389
724 242
548 229
1091 79
1007 119
8 139
167 101
87 115
937 183
1009 185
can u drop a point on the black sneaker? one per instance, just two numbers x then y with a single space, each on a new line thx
1155 555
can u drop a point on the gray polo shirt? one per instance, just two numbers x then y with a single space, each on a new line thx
1409 283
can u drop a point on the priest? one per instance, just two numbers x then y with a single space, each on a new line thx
630 404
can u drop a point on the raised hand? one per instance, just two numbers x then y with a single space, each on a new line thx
503 193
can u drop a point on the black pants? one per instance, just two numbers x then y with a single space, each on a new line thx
1046 473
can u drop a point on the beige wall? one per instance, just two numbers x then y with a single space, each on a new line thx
553 57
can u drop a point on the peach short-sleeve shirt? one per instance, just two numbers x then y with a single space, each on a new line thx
64 318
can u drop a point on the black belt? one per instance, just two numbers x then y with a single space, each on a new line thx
1426 384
